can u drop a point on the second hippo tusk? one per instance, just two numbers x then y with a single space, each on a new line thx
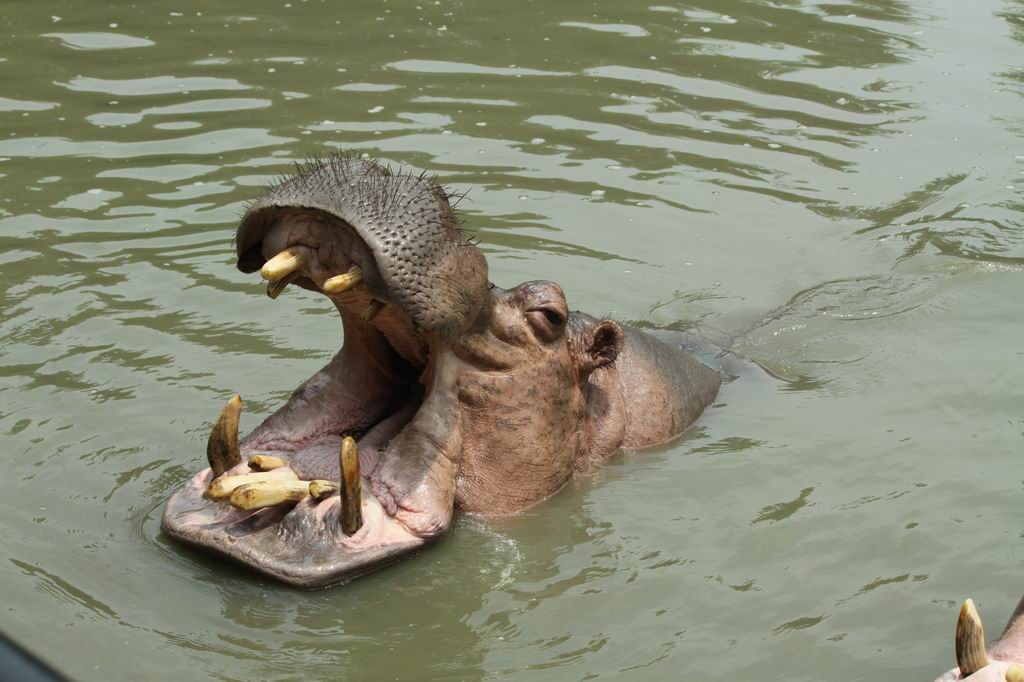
282 265
1015 673
351 487
275 289
342 283
221 488
371 311
222 447
265 462
970 640
268 494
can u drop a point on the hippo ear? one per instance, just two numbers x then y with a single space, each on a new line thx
602 343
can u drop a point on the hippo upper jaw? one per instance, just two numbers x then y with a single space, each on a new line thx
400 225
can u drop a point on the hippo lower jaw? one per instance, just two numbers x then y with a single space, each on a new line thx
391 386
303 546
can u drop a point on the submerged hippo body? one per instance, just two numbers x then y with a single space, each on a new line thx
460 395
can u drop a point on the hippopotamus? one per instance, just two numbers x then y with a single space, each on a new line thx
449 392
1004 662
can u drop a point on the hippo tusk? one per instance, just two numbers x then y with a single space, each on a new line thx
372 310
222 447
970 640
265 462
282 265
341 283
351 484
268 494
274 289
221 488
320 490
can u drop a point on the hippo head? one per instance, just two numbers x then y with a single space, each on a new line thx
448 392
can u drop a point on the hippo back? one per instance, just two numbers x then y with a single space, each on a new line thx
664 388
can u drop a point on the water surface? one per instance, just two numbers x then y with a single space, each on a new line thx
845 176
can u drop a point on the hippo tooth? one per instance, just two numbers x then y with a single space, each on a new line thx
265 462
1015 673
320 490
371 311
344 282
970 640
274 289
268 494
283 264
351 487
222 447
221 488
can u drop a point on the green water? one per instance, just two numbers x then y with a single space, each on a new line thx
856 167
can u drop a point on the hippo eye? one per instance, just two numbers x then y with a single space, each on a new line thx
547 322
553 317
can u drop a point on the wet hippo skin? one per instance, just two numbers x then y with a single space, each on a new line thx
449 392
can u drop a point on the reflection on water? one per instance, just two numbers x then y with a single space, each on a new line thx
835 186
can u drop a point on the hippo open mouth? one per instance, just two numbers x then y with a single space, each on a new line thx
386 250
447 393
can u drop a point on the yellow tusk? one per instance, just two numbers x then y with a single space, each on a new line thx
970 640
282 265
222 447
1015 673
268 494
275 289
320 489
265 462
372 310
351 487
342 283
222 487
